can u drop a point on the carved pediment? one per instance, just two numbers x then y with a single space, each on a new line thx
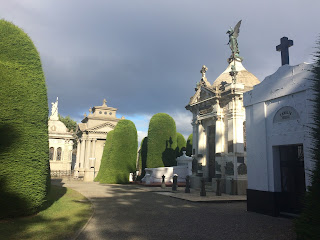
104 127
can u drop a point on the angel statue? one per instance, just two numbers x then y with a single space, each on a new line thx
233 43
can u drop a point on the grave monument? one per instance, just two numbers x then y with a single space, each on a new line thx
279 116
60 144
219 143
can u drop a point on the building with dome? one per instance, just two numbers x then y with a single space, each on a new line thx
219 142
60 144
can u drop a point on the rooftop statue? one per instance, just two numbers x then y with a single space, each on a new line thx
54 111
233 42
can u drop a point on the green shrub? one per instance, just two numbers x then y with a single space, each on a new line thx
162 141
307 226
189 145
24 147
143 155
105 156
181 144
121 160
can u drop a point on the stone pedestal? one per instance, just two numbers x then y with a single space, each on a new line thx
242 185
222 185
89 175
195 181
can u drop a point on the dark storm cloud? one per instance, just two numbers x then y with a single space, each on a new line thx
144 57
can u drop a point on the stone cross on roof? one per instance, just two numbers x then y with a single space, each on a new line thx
284 49
203 70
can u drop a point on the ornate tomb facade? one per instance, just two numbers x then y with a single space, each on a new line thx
92 133
219 145
278 119
60 144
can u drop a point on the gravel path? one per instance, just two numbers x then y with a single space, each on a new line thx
130 212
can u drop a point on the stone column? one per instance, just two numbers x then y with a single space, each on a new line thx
88 154
93 154
76 167
82 155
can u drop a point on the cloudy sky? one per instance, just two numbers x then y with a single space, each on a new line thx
144 56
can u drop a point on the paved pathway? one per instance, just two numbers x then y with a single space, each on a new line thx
132 212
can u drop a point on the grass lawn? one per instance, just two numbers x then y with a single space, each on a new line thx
65 212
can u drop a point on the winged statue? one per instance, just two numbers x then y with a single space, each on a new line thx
233 42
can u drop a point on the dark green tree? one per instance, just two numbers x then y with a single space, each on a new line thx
181 144
143 155
307 226
189 145
121 160
162 141
24 147
69 122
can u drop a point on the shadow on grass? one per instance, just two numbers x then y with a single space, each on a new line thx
65 212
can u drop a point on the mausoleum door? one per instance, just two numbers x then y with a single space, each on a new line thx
292 178
211 143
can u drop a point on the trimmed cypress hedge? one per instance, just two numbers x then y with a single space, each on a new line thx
121 160
189 145
105 156
181 144
162 141
24 147
143 155
307 225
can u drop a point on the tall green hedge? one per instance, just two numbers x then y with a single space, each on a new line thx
189 145
307 226
24 147
143 155
105 156
121 160
162 141
181 144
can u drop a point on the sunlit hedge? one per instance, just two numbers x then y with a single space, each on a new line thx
24 148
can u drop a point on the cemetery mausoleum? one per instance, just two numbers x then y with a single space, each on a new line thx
60 144
278 119
219 144
92 133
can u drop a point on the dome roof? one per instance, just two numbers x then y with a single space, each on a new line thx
243 76
56 127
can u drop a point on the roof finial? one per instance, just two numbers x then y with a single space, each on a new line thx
285 43
104 102
203 71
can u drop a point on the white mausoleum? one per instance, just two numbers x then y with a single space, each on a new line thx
92 133
60 144
278 117
219 128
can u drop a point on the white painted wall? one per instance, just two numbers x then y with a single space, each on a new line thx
289 86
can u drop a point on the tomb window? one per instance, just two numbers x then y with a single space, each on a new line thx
51 151
59 150
105 113
110 113
100 112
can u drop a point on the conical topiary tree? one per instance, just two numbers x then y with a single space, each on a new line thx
181 144
105 156
123 155
307 226
143 156
24 147
162 141
189 145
